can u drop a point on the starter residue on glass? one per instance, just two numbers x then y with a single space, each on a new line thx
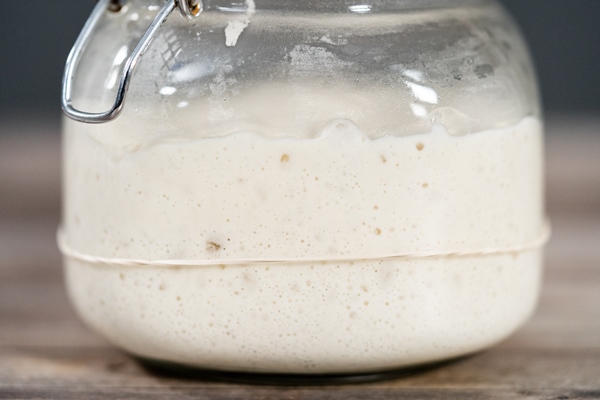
236 25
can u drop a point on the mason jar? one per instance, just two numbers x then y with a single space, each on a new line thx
302 186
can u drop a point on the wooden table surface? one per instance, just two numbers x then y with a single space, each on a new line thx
47 353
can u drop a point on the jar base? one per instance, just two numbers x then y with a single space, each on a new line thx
175 370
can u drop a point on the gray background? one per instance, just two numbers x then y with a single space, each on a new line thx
36 35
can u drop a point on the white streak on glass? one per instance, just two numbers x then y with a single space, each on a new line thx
423 93
360 9
168 90
418 110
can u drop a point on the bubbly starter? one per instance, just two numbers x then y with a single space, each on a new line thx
243 196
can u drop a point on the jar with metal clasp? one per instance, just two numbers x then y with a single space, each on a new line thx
302 187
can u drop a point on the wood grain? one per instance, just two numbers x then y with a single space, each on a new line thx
47 353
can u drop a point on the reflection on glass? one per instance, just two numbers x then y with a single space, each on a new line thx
360 9
421 93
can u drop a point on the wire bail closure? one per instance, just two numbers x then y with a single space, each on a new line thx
189 9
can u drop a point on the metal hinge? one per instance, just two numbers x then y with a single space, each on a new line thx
189 9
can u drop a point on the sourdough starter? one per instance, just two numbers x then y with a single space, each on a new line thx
336 194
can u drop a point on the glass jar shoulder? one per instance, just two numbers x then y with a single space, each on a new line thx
394 73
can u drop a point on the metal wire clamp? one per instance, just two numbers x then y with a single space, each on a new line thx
188 8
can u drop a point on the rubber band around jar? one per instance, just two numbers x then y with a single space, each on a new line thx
73 254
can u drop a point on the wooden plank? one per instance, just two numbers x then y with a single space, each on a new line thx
175 393
178 393
573 165
106 370
29 175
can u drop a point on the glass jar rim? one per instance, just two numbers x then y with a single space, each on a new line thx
348 6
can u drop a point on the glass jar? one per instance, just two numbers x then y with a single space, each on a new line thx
302 186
